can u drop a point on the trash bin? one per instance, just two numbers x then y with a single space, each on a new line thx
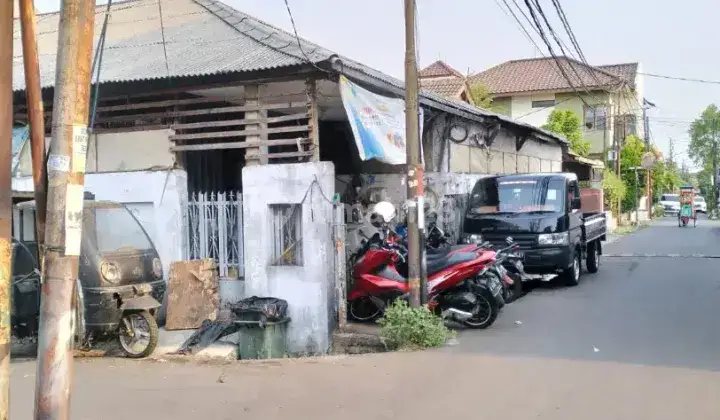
262 339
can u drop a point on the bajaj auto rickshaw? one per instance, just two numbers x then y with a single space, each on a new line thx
687 210
120 278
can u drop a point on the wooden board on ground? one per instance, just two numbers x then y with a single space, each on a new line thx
192 294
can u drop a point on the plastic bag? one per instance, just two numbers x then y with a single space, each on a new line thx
265 308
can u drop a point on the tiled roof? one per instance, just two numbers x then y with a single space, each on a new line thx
626 71
448 87
543 74
439 69
202 37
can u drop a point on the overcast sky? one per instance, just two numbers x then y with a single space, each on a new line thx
667 37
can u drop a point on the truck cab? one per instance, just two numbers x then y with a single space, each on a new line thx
542 213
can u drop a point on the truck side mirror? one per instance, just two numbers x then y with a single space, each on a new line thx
575 204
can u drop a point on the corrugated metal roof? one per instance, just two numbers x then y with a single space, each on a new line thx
202 37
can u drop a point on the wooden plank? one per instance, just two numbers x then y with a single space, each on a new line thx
288 154
195 112
312 110
160 104
192 294
238 133
131 129
238 145
231 123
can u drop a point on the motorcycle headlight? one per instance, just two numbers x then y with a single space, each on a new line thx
157 268
471 238
110 271
553 238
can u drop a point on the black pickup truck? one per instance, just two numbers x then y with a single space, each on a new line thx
541 212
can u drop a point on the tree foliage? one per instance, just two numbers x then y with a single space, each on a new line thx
702 133
480 96
613 189
631 157
567 123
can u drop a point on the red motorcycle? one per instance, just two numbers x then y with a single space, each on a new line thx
379 275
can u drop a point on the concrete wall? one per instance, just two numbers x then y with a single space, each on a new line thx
308 288
117 152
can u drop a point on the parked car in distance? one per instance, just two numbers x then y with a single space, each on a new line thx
670 204
700 204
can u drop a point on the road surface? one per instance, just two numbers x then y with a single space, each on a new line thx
638 340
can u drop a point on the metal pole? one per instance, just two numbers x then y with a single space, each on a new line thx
415 187
36 115
66 176
715 163
646 135
6 124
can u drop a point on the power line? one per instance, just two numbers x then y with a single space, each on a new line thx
162 33
520 25
297 38
682 79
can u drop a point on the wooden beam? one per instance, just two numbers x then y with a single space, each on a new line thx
288 154
520 142
238 133
238 145
312 111
231 123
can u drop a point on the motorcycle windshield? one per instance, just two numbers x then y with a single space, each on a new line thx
113 229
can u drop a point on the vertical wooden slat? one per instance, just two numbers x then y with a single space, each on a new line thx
313 117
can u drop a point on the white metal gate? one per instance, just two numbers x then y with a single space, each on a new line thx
213 225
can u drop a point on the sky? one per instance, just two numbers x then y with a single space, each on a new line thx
667 38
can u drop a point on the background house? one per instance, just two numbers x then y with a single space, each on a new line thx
608 98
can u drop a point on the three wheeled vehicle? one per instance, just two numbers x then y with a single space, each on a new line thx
120 278
687 208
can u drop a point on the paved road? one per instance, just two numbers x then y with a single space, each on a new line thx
639 340
661 309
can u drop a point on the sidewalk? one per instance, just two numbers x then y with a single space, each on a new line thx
415 386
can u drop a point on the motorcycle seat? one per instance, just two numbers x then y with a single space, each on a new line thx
442 252
438 264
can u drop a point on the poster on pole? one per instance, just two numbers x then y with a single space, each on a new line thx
377 122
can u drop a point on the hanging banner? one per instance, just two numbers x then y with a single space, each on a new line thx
377 122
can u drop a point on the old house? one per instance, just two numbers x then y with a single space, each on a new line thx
228 138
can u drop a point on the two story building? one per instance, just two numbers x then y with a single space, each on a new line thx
608 98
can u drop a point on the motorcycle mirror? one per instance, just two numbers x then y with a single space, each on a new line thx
363 242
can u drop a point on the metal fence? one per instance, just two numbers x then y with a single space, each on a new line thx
214 229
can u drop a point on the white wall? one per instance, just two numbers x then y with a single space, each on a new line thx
117 152
521 107
308 288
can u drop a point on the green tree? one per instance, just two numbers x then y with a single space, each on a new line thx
702 134
631 157
567 123
481 97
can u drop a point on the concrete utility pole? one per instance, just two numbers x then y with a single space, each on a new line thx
66 177
6 124
715 162
36 115
415 179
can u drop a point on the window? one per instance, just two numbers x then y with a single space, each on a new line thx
286 220
543 104
573 193
520 195
23 262
595 117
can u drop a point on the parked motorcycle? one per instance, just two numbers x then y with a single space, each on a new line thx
380 269
509 268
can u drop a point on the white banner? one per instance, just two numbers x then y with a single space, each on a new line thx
378 123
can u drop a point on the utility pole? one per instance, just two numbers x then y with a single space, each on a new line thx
6 124
66 178
715 162
415 187
646 135
36 115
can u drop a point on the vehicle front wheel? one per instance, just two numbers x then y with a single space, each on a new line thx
487 310
593 257
572 273
138 334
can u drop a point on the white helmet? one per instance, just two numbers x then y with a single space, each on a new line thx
383 212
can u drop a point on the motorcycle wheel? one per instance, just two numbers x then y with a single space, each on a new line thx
363 309
488 310
138 334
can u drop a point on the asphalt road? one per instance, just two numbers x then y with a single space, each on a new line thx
655 301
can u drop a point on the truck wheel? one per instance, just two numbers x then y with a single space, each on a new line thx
572 273
593 257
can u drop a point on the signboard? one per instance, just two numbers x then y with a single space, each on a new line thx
648 160
377 122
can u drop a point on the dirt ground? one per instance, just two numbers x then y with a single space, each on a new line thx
417 386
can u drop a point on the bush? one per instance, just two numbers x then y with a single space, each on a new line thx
614 189
404 327
658 211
